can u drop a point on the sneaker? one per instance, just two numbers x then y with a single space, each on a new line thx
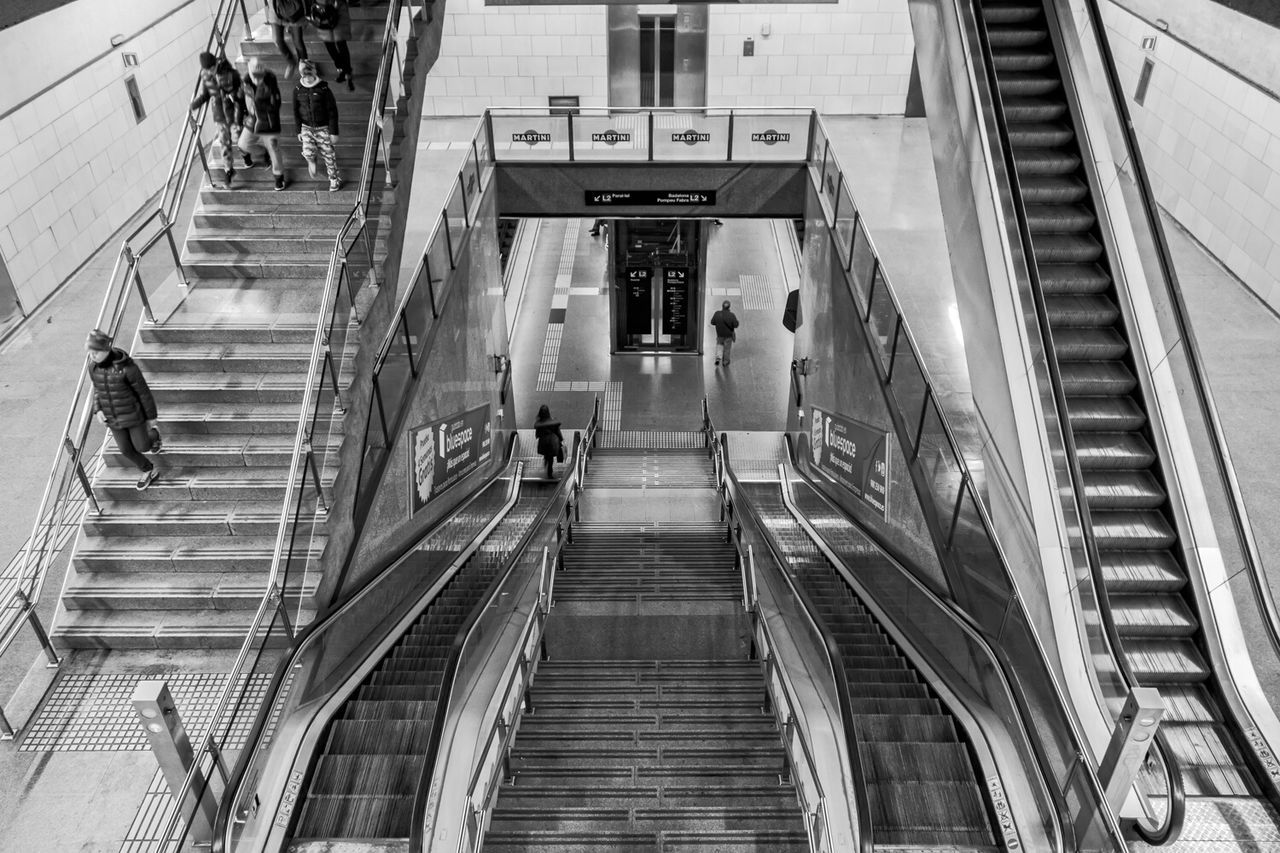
147 478
248 160
157 444
351 82
342 76
231 173
281 183
311 168
334 186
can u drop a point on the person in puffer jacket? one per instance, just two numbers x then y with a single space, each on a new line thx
124 403
220 87
315 111
262 120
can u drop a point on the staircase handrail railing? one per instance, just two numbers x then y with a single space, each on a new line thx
516 676
208 747
833 194
68 491
730 512
1170 826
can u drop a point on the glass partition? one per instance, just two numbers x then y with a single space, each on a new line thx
681 136
529 136
770 137
624 136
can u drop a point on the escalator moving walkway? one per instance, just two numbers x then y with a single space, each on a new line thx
365 775
921 784
1124 486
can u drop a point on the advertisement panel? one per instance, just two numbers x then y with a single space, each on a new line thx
444 451
853 455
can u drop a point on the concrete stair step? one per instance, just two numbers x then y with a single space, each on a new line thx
163 629
282 219
669 819
239 453
299 193
226 388
281 268
187 554
264 333
185 518
223 418
202 484
176 591
236 358
250 243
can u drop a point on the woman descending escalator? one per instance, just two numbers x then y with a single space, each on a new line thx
550 440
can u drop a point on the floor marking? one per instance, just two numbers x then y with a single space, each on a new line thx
759 293
550 356
612 409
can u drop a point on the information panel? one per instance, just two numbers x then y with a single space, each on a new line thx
639 300
852 454
656 198
444 451
675 301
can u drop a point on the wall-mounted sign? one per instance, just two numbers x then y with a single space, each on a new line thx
675 301
444 451
531 137
611 137
639 300
628 198
852 454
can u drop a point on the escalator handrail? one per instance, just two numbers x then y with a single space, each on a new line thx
301 642
733 503
565 491
1003 667
1171 826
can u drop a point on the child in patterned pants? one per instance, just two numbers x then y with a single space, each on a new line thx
316 112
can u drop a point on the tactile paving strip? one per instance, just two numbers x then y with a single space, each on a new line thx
758 293
651 440
93 712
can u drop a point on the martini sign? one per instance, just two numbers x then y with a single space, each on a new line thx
444 451
853 455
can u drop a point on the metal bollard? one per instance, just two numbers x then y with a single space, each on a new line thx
169 743
1135 730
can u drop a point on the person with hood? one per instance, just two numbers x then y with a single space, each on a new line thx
550 441
315 112
220 87
262 119
725 323
332 20
124 403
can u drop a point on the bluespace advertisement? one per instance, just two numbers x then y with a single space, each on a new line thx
853 455
444 451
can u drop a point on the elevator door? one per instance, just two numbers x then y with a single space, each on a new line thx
657 60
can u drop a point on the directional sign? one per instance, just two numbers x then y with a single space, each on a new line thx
631 198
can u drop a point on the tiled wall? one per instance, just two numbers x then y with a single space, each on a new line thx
74 164
1211 142
848 57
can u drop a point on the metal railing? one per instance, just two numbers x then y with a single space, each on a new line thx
1170 824
148 268
977 575
494 763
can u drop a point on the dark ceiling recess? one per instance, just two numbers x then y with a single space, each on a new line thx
1267 11
16 11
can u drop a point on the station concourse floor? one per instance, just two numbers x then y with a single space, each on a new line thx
65 791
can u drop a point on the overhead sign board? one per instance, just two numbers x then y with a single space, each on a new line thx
444 451
854 455
657 198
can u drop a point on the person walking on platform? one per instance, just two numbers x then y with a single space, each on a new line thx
725 324
262 119
124 403
315 111
220 87
550 440
332 19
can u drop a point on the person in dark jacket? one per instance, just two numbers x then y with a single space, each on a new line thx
124 403
725 323
550 441
220 87
262 118
290 15
332 20
315 111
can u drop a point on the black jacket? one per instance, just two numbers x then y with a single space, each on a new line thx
315 107
263 102
223 87
725 323
120 392
549 438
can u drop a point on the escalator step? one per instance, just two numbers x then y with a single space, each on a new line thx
882 728
1123 490
1185 703
1017 109
361 816
1101 378
1174 660
1132 530
1072 278
1210 763
1015 36
1045 219
357 709
997 14
887 705
1097 450
1105 414
389 737
1017 84
377 775
907 808
1021 60
1142 571
1024 135
1065 248
921 762
1053 163
1080 343
1152 614
1081 310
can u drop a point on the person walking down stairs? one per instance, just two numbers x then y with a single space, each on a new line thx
332 19
124 403
261 134
315 111
221 88
550 440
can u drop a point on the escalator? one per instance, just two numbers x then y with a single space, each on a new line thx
1125 495
365 775
921 784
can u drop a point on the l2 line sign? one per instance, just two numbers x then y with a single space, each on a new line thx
853 455
444 451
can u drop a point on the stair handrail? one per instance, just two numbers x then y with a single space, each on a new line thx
208 749
822 158
68 491
732 507
563 500
1169 828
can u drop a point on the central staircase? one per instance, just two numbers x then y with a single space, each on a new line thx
649 730
184 563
